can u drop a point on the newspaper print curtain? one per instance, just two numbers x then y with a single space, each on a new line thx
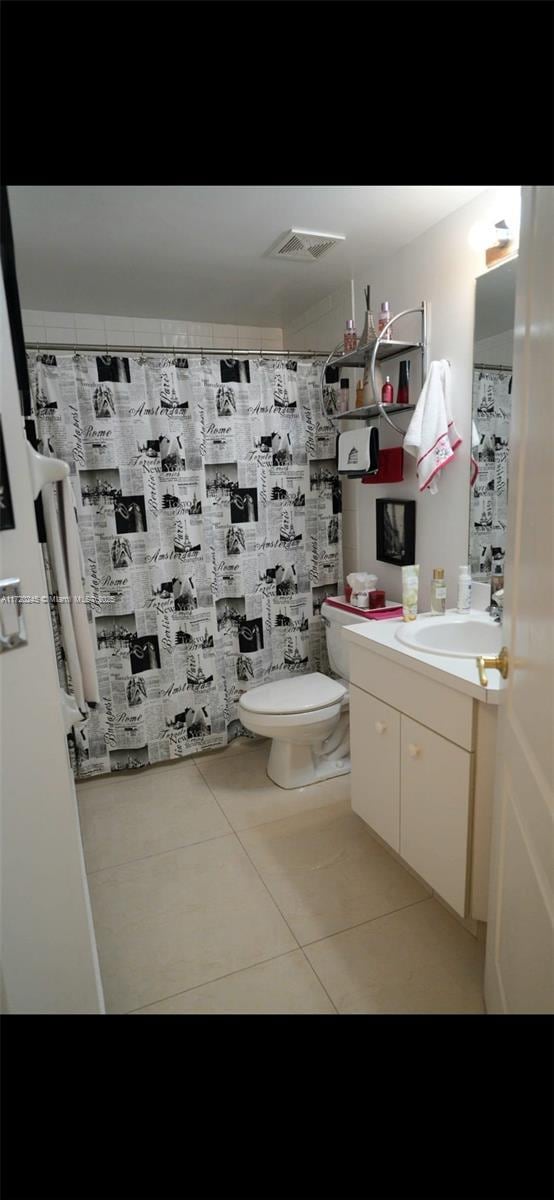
492 406
210 518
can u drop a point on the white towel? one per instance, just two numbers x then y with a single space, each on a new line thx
431 436
66 559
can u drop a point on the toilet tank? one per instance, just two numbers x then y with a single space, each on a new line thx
337 647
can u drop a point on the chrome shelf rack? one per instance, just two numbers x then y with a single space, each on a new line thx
375 351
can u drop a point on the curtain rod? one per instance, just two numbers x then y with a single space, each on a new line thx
178 351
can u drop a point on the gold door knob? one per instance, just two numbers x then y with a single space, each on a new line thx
501 663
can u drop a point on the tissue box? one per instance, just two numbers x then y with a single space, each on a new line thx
376 599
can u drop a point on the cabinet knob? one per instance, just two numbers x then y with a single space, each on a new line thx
413 750
380 726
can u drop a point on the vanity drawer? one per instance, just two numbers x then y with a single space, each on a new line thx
441 708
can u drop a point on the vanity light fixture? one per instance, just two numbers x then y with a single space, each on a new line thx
503 247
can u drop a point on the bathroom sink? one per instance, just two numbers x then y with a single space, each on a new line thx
454 634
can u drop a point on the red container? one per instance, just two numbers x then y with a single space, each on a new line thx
391 467
376 599
347 592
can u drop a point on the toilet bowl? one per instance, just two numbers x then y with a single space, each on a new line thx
307 717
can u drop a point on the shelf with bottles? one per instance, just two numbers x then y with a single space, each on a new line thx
385 349
367 411
375 350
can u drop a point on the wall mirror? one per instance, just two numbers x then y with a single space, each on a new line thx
491 413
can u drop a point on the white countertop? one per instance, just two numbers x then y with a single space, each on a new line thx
459 673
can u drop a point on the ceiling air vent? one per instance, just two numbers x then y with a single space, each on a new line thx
304 245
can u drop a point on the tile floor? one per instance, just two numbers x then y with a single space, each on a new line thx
214 891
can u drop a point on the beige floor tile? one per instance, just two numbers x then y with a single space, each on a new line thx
418 960
248 797
125 819
326 872
176 920
285 985
237 747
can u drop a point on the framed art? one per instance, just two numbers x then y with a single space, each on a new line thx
395 530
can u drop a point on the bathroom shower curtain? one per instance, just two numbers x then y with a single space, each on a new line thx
210 518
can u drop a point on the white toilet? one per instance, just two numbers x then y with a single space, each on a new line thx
307 716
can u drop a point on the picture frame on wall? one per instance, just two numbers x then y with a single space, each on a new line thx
395 531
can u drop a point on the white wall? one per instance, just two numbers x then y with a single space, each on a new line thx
88 328
439 267
48 950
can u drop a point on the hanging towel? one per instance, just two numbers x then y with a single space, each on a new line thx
474 462
431 436
66 558
358 451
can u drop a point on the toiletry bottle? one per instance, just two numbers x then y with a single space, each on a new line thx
464 589
344 401
438 591
360 394
387 392
369 332
350 337
410 586
384 318
403 395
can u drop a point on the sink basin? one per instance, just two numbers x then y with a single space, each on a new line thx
457 635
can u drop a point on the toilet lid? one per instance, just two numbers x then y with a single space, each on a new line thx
304 693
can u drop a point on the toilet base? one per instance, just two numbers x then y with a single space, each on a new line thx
294 766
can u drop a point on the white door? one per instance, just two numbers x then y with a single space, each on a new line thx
519 976
48 952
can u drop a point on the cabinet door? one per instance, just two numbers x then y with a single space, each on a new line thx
375 751
435 803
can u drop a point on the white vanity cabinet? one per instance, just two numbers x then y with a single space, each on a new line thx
417 775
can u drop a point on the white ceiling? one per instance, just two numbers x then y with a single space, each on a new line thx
198 253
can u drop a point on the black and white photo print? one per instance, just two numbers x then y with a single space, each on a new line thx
226 402
244 505
113 370
103 401
172 453
144 653
395 531
130 514
234 370
251 635
100 488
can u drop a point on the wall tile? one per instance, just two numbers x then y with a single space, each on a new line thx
90 321
32 316
93 337
147 336
57 333
33 333
199 329
120 337
119 322
57 320
144 325
204 342
225 335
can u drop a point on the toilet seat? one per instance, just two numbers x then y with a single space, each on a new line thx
302 694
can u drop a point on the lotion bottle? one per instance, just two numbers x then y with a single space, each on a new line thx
464 589
438 592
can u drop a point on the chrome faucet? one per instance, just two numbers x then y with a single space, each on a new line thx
496 606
